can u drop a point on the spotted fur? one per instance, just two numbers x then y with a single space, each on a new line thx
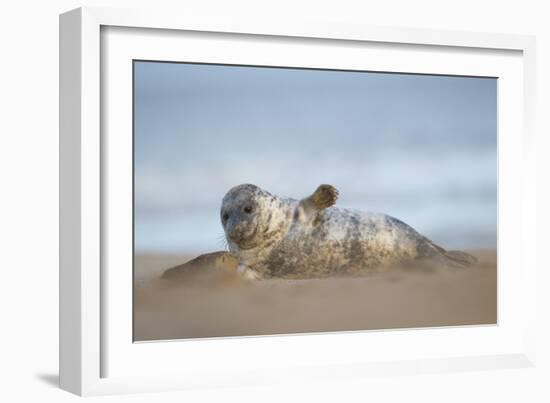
277 237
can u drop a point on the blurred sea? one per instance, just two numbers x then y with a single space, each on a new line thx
419 148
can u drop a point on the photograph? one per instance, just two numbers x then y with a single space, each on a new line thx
273 200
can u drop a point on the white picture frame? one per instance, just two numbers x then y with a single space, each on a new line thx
96 354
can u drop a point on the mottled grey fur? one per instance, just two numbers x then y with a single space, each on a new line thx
287 238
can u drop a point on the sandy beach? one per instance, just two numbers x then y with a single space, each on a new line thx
227 306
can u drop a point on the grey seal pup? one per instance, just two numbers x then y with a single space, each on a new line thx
276 237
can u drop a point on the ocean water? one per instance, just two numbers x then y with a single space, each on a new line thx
420 148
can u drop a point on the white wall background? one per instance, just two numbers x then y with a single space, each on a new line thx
29 212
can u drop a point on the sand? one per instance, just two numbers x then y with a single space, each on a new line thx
199 307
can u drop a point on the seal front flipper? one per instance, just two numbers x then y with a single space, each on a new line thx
308 208
248 273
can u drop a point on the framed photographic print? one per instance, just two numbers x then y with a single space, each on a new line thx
250 202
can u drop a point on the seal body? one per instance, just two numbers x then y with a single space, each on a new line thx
277 237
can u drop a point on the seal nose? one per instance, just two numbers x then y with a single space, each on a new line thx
236 232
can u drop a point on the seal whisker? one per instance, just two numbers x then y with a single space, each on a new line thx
222 241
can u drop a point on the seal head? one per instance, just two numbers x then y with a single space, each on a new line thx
240 215
250 216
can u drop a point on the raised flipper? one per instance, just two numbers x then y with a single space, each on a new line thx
309 208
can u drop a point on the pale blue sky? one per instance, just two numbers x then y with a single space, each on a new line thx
421 148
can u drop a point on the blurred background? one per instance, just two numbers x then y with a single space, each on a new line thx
420 148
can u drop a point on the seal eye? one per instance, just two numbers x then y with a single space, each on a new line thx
225 217
247 209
